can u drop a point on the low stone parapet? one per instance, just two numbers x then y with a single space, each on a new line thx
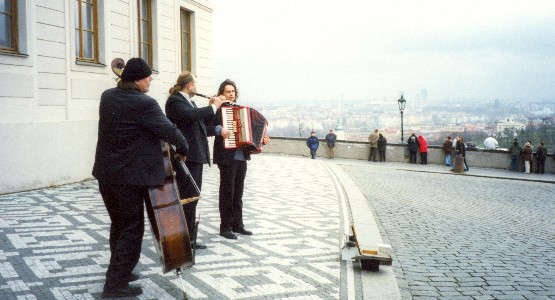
495 159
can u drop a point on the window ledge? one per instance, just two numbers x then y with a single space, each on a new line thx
90 64
16 54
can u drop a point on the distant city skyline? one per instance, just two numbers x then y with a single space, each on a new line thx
434 121
364 50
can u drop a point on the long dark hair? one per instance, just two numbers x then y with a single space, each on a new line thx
128 85
228 82
183 79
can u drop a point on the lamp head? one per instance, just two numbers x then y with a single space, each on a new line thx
402 102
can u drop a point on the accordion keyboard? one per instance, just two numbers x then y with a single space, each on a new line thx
229 125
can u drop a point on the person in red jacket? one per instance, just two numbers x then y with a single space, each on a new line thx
423 144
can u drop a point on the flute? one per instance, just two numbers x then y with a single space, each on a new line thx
203 96
226 103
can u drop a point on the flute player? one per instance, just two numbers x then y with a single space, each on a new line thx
196 125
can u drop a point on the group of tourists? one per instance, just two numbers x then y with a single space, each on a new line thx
524 154
454 148
521 157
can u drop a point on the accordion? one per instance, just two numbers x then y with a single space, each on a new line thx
247 127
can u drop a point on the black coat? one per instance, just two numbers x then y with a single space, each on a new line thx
196 124
130 127
413 143
541 153
382 143
461 150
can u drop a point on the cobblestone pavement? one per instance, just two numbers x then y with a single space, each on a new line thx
53 242
464 237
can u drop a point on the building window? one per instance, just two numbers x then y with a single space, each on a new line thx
145 30
185 40
8 26
86 31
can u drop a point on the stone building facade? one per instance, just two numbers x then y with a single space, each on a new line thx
55 58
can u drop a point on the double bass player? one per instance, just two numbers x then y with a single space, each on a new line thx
128 161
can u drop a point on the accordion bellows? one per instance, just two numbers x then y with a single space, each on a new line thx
247 127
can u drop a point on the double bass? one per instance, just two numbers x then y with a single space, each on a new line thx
167 221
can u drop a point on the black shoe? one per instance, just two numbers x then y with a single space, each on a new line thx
243 231
198 246
128 291
228 235
133 277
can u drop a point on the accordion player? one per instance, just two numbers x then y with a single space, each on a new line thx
246 126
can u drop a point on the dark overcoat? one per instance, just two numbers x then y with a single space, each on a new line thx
130 127
196 124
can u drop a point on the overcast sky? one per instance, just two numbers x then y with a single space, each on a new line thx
325 50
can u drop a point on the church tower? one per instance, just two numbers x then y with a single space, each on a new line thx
339 130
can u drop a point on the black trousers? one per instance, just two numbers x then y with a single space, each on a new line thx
372 156
424 158
541 166
382 155
187 190
232 183
125 205
412 157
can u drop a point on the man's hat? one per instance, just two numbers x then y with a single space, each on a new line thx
136 69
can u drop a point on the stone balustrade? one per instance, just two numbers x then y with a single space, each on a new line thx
496 159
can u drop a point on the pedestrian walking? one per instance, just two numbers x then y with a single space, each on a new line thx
312 143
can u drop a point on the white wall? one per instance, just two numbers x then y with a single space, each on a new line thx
49 103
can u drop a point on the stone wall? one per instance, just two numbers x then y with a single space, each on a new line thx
495 159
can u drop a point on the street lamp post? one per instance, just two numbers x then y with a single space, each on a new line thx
402 102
